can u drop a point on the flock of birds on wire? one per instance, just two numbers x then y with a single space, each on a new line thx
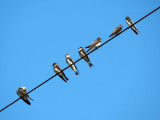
82 53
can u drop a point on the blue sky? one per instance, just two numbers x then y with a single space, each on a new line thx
124 81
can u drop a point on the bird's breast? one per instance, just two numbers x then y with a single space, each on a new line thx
81 54
98 44
19 94
69 62
128 22
56 70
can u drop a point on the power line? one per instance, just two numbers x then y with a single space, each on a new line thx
81 58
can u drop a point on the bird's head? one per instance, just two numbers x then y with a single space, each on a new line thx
120 26
99 39
67 55
24 88
54 64
127 18
80 48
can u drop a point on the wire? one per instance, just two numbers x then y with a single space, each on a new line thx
81 58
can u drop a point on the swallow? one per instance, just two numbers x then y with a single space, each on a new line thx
116 30
130 22
95 44
21 93
83 53
61 74
69 61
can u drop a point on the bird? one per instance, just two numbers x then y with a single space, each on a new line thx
83 54
130 22
116 30
61 74
69 61
95 44
21 91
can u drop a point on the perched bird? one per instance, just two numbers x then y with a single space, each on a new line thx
130 22
83 53
95 44
69 62
116 30
21 92
61 74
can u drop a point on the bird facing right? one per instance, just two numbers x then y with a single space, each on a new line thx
95 44
116 30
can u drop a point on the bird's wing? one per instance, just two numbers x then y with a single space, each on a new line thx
72 63
23 92
133 25
88 46
70 59
62 78
135 31
118 29
61 70
85 54
26 100
136 28
94 44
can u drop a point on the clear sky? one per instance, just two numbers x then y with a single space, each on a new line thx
124 83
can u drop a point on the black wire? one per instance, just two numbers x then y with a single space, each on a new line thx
82 58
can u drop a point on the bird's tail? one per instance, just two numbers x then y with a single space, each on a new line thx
29 97
66 78
77 73
110 35
90 64
63 79
135 31
88 49
87 46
